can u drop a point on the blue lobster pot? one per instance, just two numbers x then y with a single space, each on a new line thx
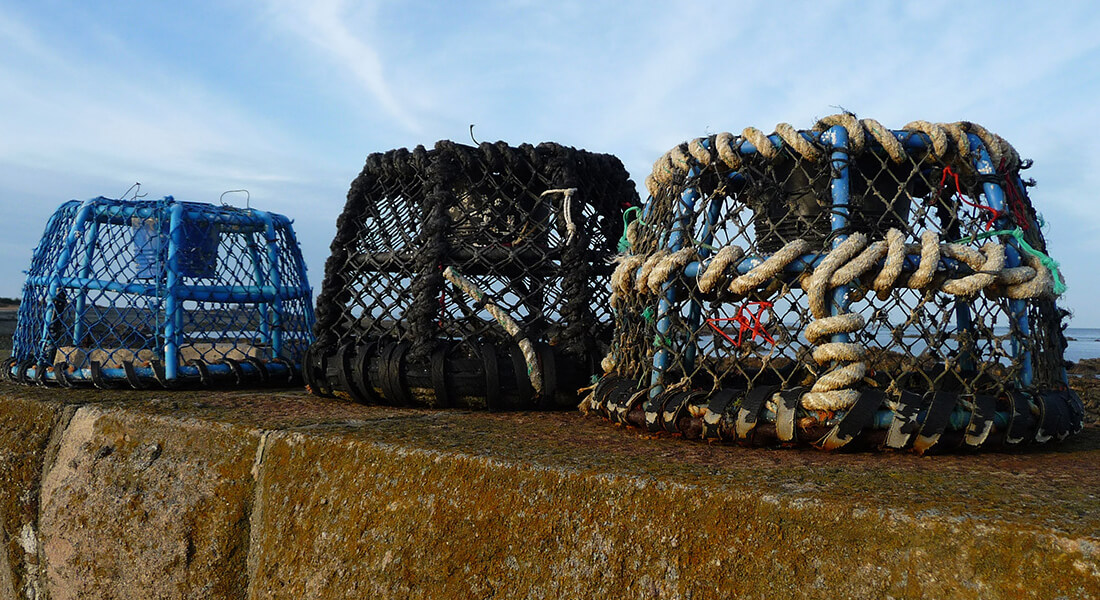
150 245
162 293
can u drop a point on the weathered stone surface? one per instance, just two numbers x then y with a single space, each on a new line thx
519 506
286 496
25 428
143 506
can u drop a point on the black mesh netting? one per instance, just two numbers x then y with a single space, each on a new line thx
840 284
471 277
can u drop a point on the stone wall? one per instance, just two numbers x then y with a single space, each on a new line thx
279 495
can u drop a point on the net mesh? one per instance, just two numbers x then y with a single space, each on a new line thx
469 276
841 283
146 292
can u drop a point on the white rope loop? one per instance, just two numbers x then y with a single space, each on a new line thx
567 210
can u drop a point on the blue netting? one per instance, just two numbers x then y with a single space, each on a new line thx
165 292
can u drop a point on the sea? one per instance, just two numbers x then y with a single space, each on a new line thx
1083 343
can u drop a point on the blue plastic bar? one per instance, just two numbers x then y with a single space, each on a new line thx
198 293
90 238
995 199
173 309
241 221
661 357
261 280
306 291
275 370
276 281
695 309
837 138
54 281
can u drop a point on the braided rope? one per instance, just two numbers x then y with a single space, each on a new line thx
641 284
649 273
885 138
534 371
850 260
621 278
716 270
793 138
891 269
832 390
760 140
944 138
857 140
669 266
700 152
727 150
929 260
818 285
771 267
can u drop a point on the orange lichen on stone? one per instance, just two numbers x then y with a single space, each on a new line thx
281 495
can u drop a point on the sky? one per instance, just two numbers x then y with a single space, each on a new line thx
286 98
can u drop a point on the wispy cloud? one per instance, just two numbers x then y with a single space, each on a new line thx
324 24
125 119
76 125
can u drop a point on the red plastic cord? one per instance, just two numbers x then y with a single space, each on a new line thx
745 322
947 172
1015 199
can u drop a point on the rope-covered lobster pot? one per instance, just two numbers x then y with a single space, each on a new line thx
163 293
848 285
471 277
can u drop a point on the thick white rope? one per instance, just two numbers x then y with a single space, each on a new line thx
844 264
945 138
534 371
849 261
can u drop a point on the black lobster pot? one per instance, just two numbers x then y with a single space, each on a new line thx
471 277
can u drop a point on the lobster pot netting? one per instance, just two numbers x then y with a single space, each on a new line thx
168 293
465 276
844 283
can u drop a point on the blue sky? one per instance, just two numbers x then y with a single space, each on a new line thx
287 98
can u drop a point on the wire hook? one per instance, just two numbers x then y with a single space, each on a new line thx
247 198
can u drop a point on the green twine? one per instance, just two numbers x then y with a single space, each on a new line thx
659 341
1048 262
624 242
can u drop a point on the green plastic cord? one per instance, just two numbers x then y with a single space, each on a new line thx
1048 262
624 242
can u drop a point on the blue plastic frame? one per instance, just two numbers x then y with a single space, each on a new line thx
268 294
